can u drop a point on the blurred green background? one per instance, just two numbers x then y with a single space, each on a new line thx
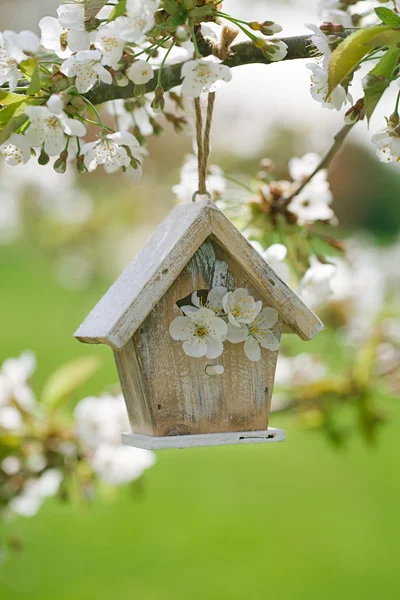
296 520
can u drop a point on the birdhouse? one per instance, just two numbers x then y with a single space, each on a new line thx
194 323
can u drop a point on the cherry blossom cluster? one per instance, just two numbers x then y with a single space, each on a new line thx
337 15
41 446
46 83
224 316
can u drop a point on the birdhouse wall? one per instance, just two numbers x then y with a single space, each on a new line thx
169 393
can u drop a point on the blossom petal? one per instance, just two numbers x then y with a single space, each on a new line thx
235 335
181 328
214 348
215 297
74 127
218 327
267 318
195 347
252 349
268 341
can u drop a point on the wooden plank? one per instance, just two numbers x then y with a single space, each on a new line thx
135 390
211 439
185 400
291 308
127 303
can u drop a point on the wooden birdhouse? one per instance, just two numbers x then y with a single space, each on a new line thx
176 400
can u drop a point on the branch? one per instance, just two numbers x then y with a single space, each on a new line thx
325 161
244 53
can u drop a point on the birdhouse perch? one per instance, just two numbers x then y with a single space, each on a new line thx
177 400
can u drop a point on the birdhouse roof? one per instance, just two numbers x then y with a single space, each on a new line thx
147 278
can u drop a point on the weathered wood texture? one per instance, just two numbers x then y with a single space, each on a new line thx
210 439
127 303
144 282
183 398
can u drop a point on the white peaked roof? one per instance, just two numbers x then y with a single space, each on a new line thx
146 279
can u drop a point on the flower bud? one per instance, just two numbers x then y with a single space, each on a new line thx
80 165
255 25
121 79
269 28
43 158
268 165
60 166
158 103
355 113
394 119
59 83
139 90
157 129
260 43
183 33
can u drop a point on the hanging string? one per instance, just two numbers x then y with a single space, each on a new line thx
203 142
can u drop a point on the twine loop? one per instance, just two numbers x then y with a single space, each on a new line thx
203 143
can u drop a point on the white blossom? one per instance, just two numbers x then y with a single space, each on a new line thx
255 335
301 168
66 34
49 124
387 142
16 149
101 420
302 369
14 376
140 72
87 69
113 152
313 202
275 256
201 332
110 43
329 11
118 465
315 286
202 75
14 48
276 49
9 72
184 190
10 465
321 42
240 307
319 89
35 492
139 21
10 418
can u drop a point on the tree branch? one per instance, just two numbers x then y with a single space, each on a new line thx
244 53
325 161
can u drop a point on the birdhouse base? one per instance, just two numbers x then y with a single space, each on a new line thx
204 439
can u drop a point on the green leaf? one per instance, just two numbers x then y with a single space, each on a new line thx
387 16
172 7
12 125
351 51
201 12
118 11
12 110
68 379
34 86
7 98
28 67
379 79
